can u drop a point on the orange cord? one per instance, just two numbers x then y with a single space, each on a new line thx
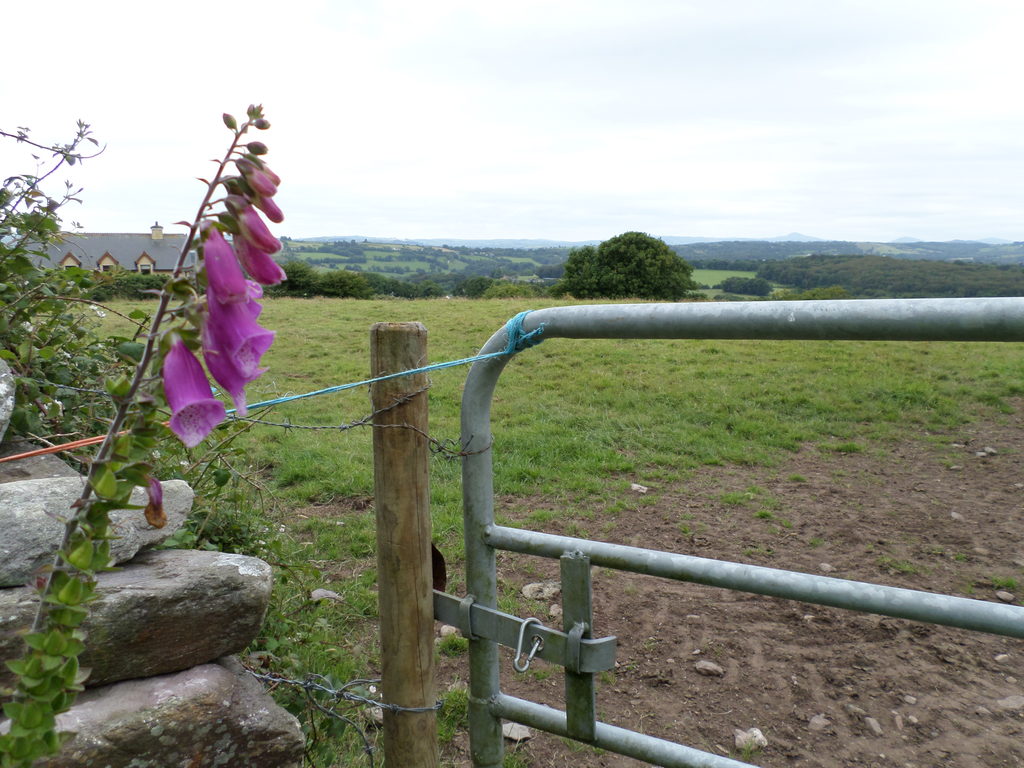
55 448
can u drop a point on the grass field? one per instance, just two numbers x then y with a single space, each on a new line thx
574 421
712 277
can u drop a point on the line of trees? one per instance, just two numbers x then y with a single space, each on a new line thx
870 276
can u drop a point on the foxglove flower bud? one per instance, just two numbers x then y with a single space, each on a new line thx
251 226
269 207
260 266
224 277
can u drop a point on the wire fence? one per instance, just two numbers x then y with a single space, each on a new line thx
314 685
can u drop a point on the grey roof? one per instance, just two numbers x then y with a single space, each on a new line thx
126 248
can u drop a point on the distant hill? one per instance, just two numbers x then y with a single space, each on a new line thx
449 260
528 243
764 250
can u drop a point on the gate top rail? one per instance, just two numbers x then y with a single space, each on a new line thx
980 319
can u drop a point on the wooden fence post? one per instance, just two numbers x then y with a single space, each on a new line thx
402 498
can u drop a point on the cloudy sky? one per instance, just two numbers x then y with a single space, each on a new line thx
846 119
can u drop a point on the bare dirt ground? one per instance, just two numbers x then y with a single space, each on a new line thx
826 687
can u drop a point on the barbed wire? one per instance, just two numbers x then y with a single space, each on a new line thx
314 683
448 448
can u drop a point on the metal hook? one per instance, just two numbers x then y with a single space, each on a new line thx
538 644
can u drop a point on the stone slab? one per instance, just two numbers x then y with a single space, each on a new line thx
163 612
30 518
210 716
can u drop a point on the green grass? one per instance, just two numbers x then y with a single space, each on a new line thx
571 419
712 277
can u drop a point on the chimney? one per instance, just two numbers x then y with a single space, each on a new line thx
157 231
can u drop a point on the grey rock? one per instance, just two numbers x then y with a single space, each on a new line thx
1011 702
34 468
819 723
1002 658
163 612
826 567
209 716
708 668
1006 597
749 739
516 732
909 699
6 397
31 512
542 590
325 594
854 710
873 725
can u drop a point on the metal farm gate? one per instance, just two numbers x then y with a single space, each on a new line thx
581 654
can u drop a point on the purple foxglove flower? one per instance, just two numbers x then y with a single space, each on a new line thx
154 511
194 409
233 343
260 266
261 183
250 166
269 207
255 293
224 277
251 225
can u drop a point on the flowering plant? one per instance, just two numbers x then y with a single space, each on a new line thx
213 310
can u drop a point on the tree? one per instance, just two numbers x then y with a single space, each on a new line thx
748 286
340 283
631 265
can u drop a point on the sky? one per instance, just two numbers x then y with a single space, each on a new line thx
558 119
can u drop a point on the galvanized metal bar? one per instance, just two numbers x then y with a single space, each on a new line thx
983 319
989 319
578 619
592 655
612 738
979 615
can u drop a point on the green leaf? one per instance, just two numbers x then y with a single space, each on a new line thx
71 593
81 556
119 387
69 616
131 350
104 482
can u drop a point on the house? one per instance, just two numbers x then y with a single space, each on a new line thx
140 253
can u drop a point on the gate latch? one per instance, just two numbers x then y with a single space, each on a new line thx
529 638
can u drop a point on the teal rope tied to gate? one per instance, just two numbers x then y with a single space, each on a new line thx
518 340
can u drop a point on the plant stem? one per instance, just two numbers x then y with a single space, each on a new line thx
81 505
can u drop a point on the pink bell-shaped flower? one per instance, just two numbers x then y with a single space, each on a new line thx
233 343
194 409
